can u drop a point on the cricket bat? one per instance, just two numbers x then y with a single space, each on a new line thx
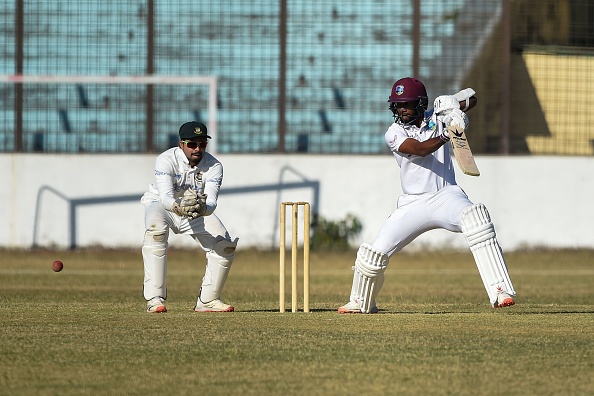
462 151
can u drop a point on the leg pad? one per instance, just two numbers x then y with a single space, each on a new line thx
368 278
482 240
154 254
219 261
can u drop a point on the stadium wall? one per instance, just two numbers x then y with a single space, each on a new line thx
63 201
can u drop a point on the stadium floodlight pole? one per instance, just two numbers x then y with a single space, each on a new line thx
211 81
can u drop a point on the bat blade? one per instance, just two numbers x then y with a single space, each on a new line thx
462 151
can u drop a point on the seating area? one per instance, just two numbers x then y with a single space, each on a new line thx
341 62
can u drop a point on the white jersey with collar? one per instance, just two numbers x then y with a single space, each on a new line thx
174 175
419 175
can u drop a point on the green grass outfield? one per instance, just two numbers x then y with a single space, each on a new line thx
84 331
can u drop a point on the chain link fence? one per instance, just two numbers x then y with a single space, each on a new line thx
293 76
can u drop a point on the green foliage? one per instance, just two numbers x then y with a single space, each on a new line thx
334 235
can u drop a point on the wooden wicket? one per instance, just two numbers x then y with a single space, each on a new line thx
294 247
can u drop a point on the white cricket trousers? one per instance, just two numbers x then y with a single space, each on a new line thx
204 230
208 231
416 214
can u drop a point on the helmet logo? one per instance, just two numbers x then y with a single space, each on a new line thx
399 89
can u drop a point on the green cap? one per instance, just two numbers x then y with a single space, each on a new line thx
192 129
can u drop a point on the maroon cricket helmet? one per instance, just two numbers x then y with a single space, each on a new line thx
408 89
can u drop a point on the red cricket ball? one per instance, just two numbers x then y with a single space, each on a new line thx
57 266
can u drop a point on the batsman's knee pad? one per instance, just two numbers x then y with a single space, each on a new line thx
219 261
368 278
482 240
154 254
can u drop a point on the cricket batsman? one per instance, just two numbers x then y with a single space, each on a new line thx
431 198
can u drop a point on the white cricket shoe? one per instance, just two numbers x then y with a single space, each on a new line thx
353 307
213 306
504 300
155 305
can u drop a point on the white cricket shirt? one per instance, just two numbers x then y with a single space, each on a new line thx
419 175
173 176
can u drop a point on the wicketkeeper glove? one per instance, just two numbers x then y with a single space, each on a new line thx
201 204
190 204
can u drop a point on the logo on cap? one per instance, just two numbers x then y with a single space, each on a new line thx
198 131
399 90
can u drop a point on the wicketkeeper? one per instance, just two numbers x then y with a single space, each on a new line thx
182 199
432 199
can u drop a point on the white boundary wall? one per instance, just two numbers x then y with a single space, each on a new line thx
86 200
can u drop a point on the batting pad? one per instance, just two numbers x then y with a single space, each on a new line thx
218 265
154 255
368 278
480 234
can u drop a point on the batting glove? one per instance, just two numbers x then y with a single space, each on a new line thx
457 118
444 104
464 96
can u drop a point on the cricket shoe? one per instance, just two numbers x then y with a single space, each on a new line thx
353 307
213 306
155 305
504 300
